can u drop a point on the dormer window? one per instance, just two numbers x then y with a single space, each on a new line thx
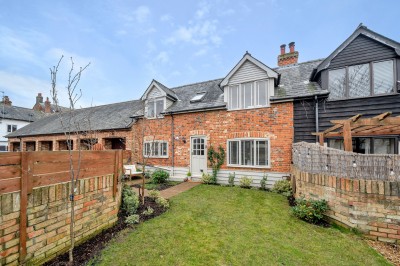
154 108
248 95
198 97
362 80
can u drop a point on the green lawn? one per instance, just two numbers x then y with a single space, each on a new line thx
213 225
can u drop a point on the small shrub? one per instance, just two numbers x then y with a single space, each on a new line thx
245 182
149 211
310 210
263 182
147 174
207 179
154 194
164 203
282 187
132 219
130 201
231 179
189 174
159 176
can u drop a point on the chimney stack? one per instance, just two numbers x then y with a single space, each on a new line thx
290 58
39 98
6 101
47 106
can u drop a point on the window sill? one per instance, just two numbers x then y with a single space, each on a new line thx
249 166
157 157
250 108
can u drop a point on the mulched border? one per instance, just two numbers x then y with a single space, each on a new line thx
93 247
159 187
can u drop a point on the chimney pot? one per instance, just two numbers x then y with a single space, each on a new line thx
39 98
283 48
47 106
291 47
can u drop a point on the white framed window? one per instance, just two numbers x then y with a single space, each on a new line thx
11 128
248 95
154 108
249 152
155 149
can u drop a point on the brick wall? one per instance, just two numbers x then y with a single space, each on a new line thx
49 218
275 123
373 207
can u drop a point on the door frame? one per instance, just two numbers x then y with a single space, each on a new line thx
205 151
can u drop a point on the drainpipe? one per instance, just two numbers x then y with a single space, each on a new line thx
173 144
316 118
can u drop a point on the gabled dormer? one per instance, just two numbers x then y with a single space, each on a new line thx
366 64
157 98
250 84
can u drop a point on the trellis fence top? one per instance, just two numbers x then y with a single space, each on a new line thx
316 159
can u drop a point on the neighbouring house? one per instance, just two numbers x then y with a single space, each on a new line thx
13 118
360 77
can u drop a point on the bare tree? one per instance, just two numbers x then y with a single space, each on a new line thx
147 131
71 126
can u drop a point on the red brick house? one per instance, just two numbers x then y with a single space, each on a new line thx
248 112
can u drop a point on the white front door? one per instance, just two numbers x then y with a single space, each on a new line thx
198 151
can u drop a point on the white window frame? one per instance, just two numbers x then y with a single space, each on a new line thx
254 152
160 143
12 128
254 95
154 103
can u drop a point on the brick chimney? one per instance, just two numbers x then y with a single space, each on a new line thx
6 101
290 58
39 98
47 106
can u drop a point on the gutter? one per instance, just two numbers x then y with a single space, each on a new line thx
220 107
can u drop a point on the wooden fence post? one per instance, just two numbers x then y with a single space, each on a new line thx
25 157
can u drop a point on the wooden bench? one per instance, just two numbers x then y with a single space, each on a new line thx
131 171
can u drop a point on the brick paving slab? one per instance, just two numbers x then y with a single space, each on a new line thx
169 192
175 190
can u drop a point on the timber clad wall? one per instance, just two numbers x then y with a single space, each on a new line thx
274 122
304 112
371 206
35 221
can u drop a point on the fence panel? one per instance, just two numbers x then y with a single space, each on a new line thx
313 158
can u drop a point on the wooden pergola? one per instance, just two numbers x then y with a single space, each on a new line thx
379 125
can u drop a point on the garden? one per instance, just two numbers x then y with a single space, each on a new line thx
222 225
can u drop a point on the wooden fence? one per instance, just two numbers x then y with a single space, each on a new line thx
24 171
316 159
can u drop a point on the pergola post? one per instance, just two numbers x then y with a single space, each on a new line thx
321 139
348 143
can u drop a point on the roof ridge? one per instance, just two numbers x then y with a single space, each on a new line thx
306 62
191 84
105 104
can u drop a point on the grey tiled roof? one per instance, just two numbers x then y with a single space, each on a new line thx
295 81
213 98
19 113
166 90
104 117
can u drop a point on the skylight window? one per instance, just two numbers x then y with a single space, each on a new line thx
198 97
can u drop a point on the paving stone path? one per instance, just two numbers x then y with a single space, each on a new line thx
172 191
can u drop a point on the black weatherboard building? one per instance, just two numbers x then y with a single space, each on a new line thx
359 77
